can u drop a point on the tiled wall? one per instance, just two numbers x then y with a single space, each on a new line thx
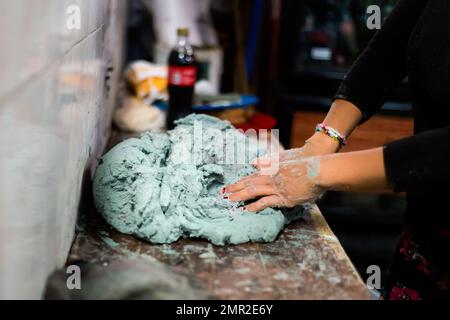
57 92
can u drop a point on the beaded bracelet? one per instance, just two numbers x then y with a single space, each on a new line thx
333 134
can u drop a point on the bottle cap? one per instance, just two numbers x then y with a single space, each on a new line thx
183 32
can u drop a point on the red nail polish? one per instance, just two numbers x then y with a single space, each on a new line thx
244 208
225 197
222 191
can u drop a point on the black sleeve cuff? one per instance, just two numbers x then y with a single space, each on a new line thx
418 162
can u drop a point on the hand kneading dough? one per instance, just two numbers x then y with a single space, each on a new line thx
143 187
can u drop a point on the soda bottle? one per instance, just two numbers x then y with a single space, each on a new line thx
182 78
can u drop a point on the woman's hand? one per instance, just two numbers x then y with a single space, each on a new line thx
294 180
303 181
343 117
319 144
300 178
294 183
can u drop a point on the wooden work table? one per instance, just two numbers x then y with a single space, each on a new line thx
305 262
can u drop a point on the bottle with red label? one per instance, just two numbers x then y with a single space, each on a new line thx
182 78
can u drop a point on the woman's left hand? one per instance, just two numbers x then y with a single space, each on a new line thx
295 182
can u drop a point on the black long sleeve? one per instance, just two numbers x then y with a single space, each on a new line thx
419 162
414 42
409 44
382 65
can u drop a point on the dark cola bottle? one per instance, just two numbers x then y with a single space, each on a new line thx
182 77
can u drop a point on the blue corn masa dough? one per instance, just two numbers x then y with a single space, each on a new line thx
165 186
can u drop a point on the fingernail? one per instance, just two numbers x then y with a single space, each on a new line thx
222 191
244 208
225 197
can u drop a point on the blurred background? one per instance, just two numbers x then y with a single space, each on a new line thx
279 62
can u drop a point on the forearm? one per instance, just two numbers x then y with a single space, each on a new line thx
354 171
343 117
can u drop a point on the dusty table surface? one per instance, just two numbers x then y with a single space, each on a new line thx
305 262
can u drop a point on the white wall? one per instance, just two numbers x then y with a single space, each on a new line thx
55 112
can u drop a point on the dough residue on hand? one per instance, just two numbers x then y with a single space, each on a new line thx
165 186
